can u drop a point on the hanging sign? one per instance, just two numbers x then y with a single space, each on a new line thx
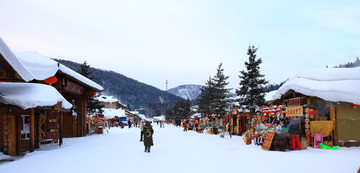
52 135
294 111
74 88
53 115
293 102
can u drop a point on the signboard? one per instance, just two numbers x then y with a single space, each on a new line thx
294 111
268 140
293 102
74 88
52 135
52 125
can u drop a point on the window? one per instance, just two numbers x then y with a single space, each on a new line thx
25 127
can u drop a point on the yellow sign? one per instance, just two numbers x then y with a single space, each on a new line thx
294 111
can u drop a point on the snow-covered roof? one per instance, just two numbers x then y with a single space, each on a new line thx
269 95
160 118
331 84
196 115
42 67
107 99
14 62
111 113
30 95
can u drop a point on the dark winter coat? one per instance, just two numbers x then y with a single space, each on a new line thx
148 132
293 127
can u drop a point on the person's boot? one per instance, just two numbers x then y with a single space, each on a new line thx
145 149
149 149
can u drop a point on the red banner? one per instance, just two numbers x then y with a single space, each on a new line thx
294 111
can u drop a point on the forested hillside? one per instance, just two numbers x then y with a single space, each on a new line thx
129 91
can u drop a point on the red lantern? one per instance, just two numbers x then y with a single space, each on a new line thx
97 116
355 105
312 112
247 115
239 116
51 80
94 93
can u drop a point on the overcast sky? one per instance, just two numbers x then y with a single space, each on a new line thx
184 41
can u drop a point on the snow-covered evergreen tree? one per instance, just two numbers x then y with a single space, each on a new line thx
84 70
205 99
251 90
214 98
221 96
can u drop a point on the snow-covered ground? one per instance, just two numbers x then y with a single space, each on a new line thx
176 151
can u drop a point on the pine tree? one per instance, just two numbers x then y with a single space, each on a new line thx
252 83
92 104
84 70
221 96
206 97
181 110
213 97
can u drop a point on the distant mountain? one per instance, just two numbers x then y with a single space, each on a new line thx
190 92
130 92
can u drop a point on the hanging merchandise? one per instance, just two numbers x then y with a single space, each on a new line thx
248 136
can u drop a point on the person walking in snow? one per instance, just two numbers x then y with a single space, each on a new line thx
148 133
142 130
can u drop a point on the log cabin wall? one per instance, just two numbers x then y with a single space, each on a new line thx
18 130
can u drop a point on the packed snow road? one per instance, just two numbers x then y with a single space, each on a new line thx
175 151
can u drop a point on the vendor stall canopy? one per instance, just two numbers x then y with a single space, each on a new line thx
331 84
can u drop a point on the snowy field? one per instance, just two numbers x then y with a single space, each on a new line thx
175 151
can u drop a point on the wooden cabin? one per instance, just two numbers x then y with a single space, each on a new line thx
35 101
30 113
75 88
327 100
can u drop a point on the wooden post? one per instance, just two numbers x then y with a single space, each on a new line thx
238 124
32 129
61 130
333 118
231 126
80 116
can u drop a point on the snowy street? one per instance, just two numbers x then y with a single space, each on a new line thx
176 151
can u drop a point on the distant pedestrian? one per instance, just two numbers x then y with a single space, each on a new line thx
185 126
148 140
161 124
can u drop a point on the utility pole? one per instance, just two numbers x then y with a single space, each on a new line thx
166 96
